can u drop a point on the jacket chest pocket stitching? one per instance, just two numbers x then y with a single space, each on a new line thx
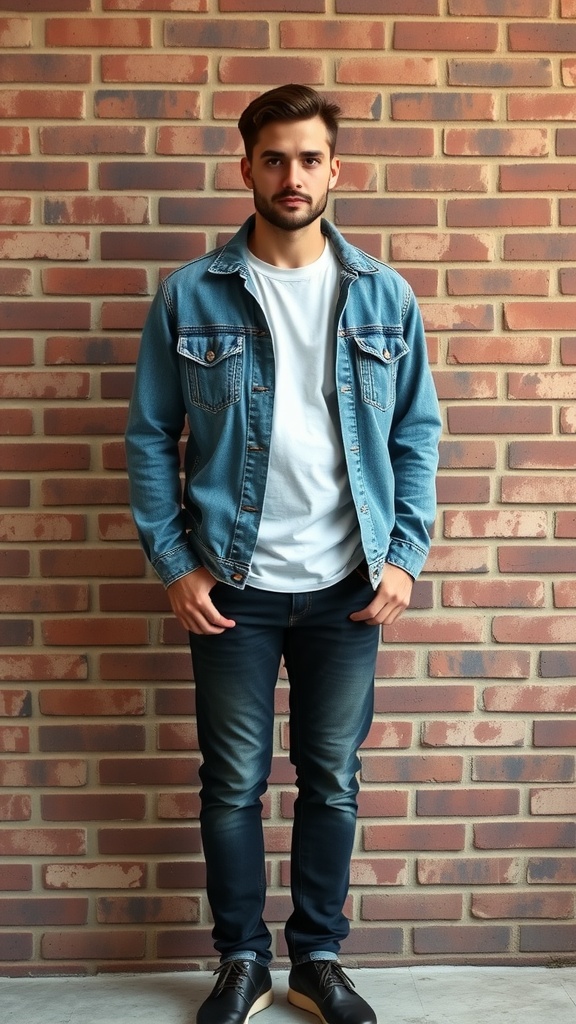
213 369
377 357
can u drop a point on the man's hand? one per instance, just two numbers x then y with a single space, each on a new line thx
191 604
390 599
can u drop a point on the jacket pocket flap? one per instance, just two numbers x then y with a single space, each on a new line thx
209 349
388 348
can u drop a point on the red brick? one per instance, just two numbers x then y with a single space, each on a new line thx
454 36
412 907
89 491
164 839
147 103
110 420
551 938
536 629
467 455
564 594
16 877
479 665
444 316
161 175
43 911
15 703
468 803
42 667
387 7
14 281
500 420
369 212
468 871
92 702
498 212
461 939
415 699
530 106
437 178
16 946
378 871
14 141
92 875
52 598
94 945
149 665
539 38
91 737
548 246
387 69
493 594
155 67
441 247
90 139
271 70
469 489
123 316
91 562
43 773
523 767
29 315
46 68
413 837
498 282
493 523
28 103
116 526
471 384
443 107
95 631
14 808
204 210
43 457
147 909
524 835
41 527
97 210
51 245
90 350
97 32
42 842
332 35
555 734
407 768
221 33
93 807
482 733
178 806
15 210
15 32
523 350
153 245
15 493
540 699
501 74
553 870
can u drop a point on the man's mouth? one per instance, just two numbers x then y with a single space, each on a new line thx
291 197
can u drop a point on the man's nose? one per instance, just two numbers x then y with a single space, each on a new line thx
292 175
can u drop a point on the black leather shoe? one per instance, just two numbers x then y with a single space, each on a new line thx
243 988
321 987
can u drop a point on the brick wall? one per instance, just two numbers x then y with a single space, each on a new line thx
120 160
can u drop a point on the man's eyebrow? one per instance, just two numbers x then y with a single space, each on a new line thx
267 153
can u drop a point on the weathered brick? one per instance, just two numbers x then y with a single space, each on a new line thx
154 67
388 69
147 103
432 940
98 32
468 871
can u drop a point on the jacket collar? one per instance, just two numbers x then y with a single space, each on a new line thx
231 258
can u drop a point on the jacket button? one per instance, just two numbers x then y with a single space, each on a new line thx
237 577
210 356
385 353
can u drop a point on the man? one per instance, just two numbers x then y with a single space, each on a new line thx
300 365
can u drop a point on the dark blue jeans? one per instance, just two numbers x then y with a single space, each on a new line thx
330 663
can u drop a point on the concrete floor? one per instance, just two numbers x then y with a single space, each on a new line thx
400 995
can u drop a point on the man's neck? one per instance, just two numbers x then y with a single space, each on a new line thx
286 249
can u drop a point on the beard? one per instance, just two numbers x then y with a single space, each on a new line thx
289 220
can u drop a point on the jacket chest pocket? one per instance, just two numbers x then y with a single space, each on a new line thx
212 365
377 358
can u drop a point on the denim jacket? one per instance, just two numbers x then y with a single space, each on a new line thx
206 358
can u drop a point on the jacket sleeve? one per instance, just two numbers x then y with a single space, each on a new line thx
413 448
155 424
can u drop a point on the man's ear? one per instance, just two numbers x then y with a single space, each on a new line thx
246 171
334 171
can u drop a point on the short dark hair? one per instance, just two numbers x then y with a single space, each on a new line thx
287 103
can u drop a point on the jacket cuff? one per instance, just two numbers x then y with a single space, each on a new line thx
407 556
177 562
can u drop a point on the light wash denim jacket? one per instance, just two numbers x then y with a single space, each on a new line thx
206 355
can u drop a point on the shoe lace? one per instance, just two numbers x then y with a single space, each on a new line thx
331 974
231 974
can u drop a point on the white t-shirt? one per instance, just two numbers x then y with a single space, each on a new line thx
309 536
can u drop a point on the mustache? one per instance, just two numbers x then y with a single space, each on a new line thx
288 193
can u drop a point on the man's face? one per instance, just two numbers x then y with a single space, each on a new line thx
291 172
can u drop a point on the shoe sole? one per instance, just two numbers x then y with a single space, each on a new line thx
304 1003
261 1003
